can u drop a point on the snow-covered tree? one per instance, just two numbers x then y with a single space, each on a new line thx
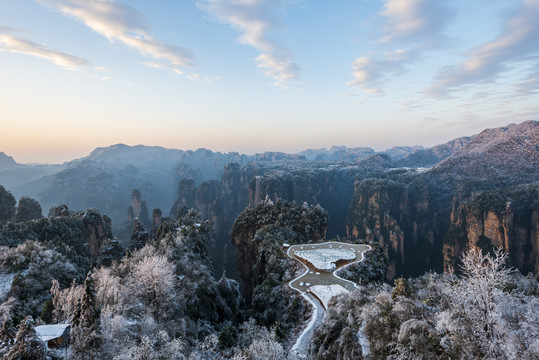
8 332
155 347
27 346
474 323
154 276
85 333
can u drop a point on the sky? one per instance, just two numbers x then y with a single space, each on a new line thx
261 75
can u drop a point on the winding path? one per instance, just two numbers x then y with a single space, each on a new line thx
313 276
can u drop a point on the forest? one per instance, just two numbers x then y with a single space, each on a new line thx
162 300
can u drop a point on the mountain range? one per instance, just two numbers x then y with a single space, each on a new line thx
409 199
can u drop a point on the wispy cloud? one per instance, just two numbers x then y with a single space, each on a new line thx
409 20
256 19
120 22
409 27
529 86
370 72
518 42
23 46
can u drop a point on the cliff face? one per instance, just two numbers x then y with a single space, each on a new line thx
501 219
421 230
330 185
220 202
403 219
483 195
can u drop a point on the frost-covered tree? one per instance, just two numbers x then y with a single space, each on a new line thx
8 332
36 267
154 278
155 347
474 323
27 346
265 347
85 333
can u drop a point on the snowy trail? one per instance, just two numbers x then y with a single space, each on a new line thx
311 274
301 346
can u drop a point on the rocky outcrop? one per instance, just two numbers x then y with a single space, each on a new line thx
157 217
496 219
28 209
269 222
138 209
96 229
139 236
422 227
186 196
7 205
80 234
59 210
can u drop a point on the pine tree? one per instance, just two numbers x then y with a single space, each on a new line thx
27 346
8 332
85 335
55 293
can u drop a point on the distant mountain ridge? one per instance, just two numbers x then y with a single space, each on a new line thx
6 161
505 152
113 171
432 156
338 153
418 202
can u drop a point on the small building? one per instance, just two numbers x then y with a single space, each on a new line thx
55 336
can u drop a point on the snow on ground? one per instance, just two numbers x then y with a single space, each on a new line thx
5 283
325 259
325 292
363 341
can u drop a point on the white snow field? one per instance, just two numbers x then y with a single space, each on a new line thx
324 293
325 259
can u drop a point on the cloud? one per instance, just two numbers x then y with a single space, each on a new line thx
518 42
369 72
409 20
411 26
529 86
120 22
27 47
255 19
